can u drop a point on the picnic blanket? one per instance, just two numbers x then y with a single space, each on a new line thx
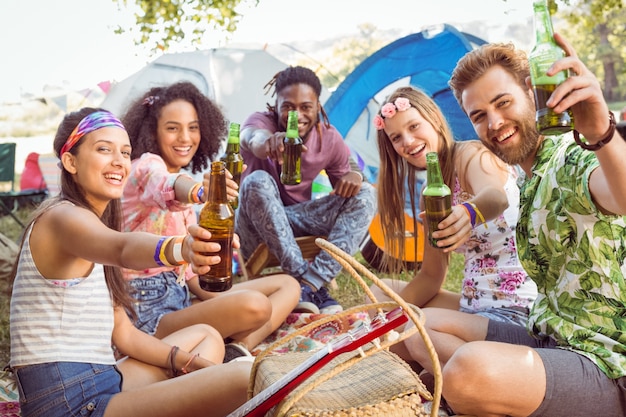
313 340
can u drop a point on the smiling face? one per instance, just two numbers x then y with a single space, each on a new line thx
101 165
412 136
178 134
300 97
503 116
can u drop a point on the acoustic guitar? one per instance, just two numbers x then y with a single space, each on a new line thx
261 403
373 245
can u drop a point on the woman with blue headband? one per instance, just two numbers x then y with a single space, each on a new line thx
70 305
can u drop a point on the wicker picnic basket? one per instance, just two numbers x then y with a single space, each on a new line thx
370 381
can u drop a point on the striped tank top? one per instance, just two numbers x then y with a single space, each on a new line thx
54 323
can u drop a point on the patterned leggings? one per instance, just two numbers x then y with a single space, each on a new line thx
262 217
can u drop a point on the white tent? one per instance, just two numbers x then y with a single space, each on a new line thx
232 77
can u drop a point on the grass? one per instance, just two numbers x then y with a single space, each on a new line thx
11 229
349 293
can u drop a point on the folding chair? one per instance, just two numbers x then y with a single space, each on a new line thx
11 200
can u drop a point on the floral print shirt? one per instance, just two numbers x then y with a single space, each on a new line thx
149 205
576 255
493 275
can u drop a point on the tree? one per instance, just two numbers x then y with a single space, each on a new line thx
349 52
596 29
162 22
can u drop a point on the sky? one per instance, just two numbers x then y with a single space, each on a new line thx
71 43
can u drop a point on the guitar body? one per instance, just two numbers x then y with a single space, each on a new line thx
374 244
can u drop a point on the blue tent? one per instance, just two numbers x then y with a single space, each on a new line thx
424 60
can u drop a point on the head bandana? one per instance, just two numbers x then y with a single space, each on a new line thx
94 121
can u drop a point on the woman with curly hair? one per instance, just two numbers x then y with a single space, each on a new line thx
172 128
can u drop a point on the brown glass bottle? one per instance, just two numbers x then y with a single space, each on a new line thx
544 54
232 158
290 174
217 216
437 196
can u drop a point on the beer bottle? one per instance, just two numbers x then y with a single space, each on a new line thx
290 174
217 216
543 55
232 158
437 196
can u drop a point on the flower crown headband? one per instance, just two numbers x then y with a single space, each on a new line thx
389 110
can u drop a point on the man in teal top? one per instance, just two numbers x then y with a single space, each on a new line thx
571 239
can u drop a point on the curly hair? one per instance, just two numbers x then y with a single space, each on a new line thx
141 120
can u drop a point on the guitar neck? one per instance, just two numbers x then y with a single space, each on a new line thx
272 395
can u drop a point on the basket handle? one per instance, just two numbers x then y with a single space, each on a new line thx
350 264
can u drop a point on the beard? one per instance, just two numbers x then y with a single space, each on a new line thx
528 141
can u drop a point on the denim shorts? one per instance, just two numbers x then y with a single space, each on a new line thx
575 386
65 389
513 315
157 296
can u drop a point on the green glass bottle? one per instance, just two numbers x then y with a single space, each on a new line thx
543 55
232 158
437 196
218 217
290 174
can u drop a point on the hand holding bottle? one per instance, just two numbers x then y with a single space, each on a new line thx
582 94
201 251
232 187
453 231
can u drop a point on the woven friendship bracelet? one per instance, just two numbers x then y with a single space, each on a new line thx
470 212
474 214
157 251
162 257
195 194
200 193
606 139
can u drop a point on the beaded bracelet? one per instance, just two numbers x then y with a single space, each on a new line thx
606 139
184 368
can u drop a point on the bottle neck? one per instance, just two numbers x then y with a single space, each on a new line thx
292 126
433 174
217 187
543 24
232 147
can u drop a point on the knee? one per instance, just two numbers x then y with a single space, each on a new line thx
367 197
256 307
467 369
258 179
